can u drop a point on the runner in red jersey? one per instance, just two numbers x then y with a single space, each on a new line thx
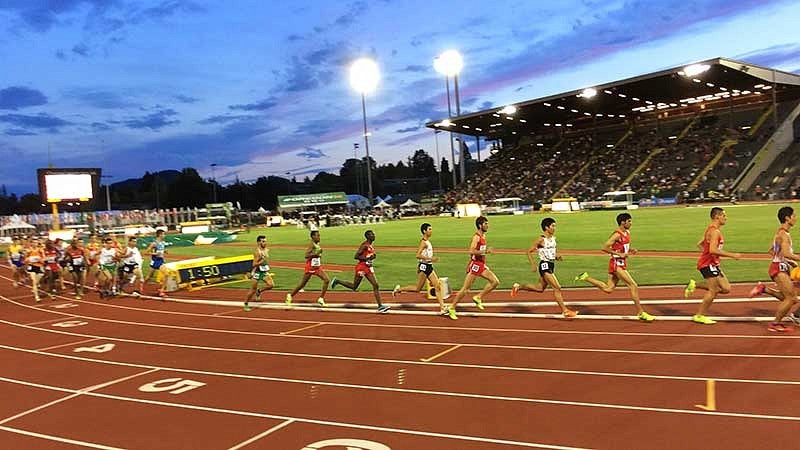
715 282
476 268
365 255
619 247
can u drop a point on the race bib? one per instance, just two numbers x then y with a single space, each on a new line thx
77 261
423 267
316 262
368 262
263 268
34 259
15 256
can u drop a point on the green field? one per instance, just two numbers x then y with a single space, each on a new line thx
749 230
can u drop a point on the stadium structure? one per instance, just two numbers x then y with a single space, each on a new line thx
720 128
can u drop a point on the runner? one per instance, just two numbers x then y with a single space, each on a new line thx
131 271
425 260
52 268
76 257
476 268
93 249
545 247
365 255
313 258
34 259
107 268
260 272
618 246
715 282
16 260
157 249
783 259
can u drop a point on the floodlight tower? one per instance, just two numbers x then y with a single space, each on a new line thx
364 77
449 64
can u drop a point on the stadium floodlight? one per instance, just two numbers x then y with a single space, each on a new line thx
449 63
589 93
508 110
364 77
695 69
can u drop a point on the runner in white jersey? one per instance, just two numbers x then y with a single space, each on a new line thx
425 260
545 247
131 266
108 267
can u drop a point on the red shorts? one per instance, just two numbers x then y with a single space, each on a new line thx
617 263
312 270
777 267
476 267
362 269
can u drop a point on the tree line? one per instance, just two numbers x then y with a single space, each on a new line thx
415 176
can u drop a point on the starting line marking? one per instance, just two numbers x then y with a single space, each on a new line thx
50 437
261 435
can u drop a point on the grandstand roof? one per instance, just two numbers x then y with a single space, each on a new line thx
721 81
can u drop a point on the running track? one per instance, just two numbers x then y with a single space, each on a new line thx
132 373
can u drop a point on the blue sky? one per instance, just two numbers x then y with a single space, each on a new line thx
260 88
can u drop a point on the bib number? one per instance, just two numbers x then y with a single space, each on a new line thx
316 262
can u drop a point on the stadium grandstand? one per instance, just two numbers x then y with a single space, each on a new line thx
718 129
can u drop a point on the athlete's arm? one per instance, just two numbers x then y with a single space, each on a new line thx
786 251
610 243
473 246
361 249
256 259
310 251
420 249
533 250
713 246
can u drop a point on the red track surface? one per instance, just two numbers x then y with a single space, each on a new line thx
285 379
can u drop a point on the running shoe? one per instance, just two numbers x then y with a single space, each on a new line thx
778 328
689 288
288 299
383 309
162 294
758 289
451 312
582 277
37 299
514 290
334 282
247 307
444 311
794 318
698 318
568 313
321 302
645 317
396 290
258 294
478 302
136 294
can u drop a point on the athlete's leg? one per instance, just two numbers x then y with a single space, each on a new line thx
493 282
552 281
354 285
468 280
411 287
303 281
375 288
789 296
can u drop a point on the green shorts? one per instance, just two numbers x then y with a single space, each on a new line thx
259 275
110 268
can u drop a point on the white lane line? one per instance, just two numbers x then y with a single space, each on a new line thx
420 327
77 393
50 437
261 435
436 343
66 345
42 322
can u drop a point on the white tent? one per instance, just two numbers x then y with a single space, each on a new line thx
383 204
409 204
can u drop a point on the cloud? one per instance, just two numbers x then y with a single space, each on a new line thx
81 50
16 97
262 105
99 126
777 55
185 98
319 127
224 119
312 153
154 121
40 121
407 130
354 10
18 132
294 38
416 68
101 99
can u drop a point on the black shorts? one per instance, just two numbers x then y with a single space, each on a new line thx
546 266
710 271
129 268
34 269
425 267
63 263
76 269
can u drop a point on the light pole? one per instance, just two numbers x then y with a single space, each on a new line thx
108 192
214 182
449 64
438 160
357 168
364 77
